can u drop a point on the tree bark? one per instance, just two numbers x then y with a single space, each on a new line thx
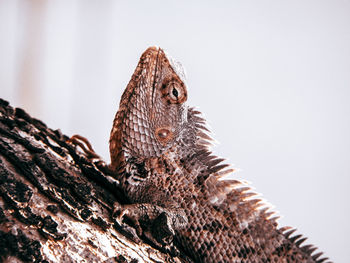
55 204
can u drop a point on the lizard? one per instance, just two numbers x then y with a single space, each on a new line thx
160 151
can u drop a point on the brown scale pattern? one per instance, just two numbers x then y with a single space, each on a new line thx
160 150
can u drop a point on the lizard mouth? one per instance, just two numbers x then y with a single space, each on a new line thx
155 74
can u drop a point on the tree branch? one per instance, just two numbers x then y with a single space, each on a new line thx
55 204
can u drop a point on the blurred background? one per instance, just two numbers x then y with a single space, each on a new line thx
272 78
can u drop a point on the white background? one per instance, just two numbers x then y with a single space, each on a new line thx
272 78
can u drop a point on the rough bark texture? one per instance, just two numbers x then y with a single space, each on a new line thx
55 204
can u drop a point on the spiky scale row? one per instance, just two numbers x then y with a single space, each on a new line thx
160 150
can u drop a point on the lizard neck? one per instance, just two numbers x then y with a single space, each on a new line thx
138 146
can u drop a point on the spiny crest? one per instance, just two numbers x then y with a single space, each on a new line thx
298 240
230 194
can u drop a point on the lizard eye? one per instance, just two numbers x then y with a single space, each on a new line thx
176 92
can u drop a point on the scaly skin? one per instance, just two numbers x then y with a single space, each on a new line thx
160 153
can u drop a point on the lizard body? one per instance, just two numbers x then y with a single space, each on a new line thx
160 152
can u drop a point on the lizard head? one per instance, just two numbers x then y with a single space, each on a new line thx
152 111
